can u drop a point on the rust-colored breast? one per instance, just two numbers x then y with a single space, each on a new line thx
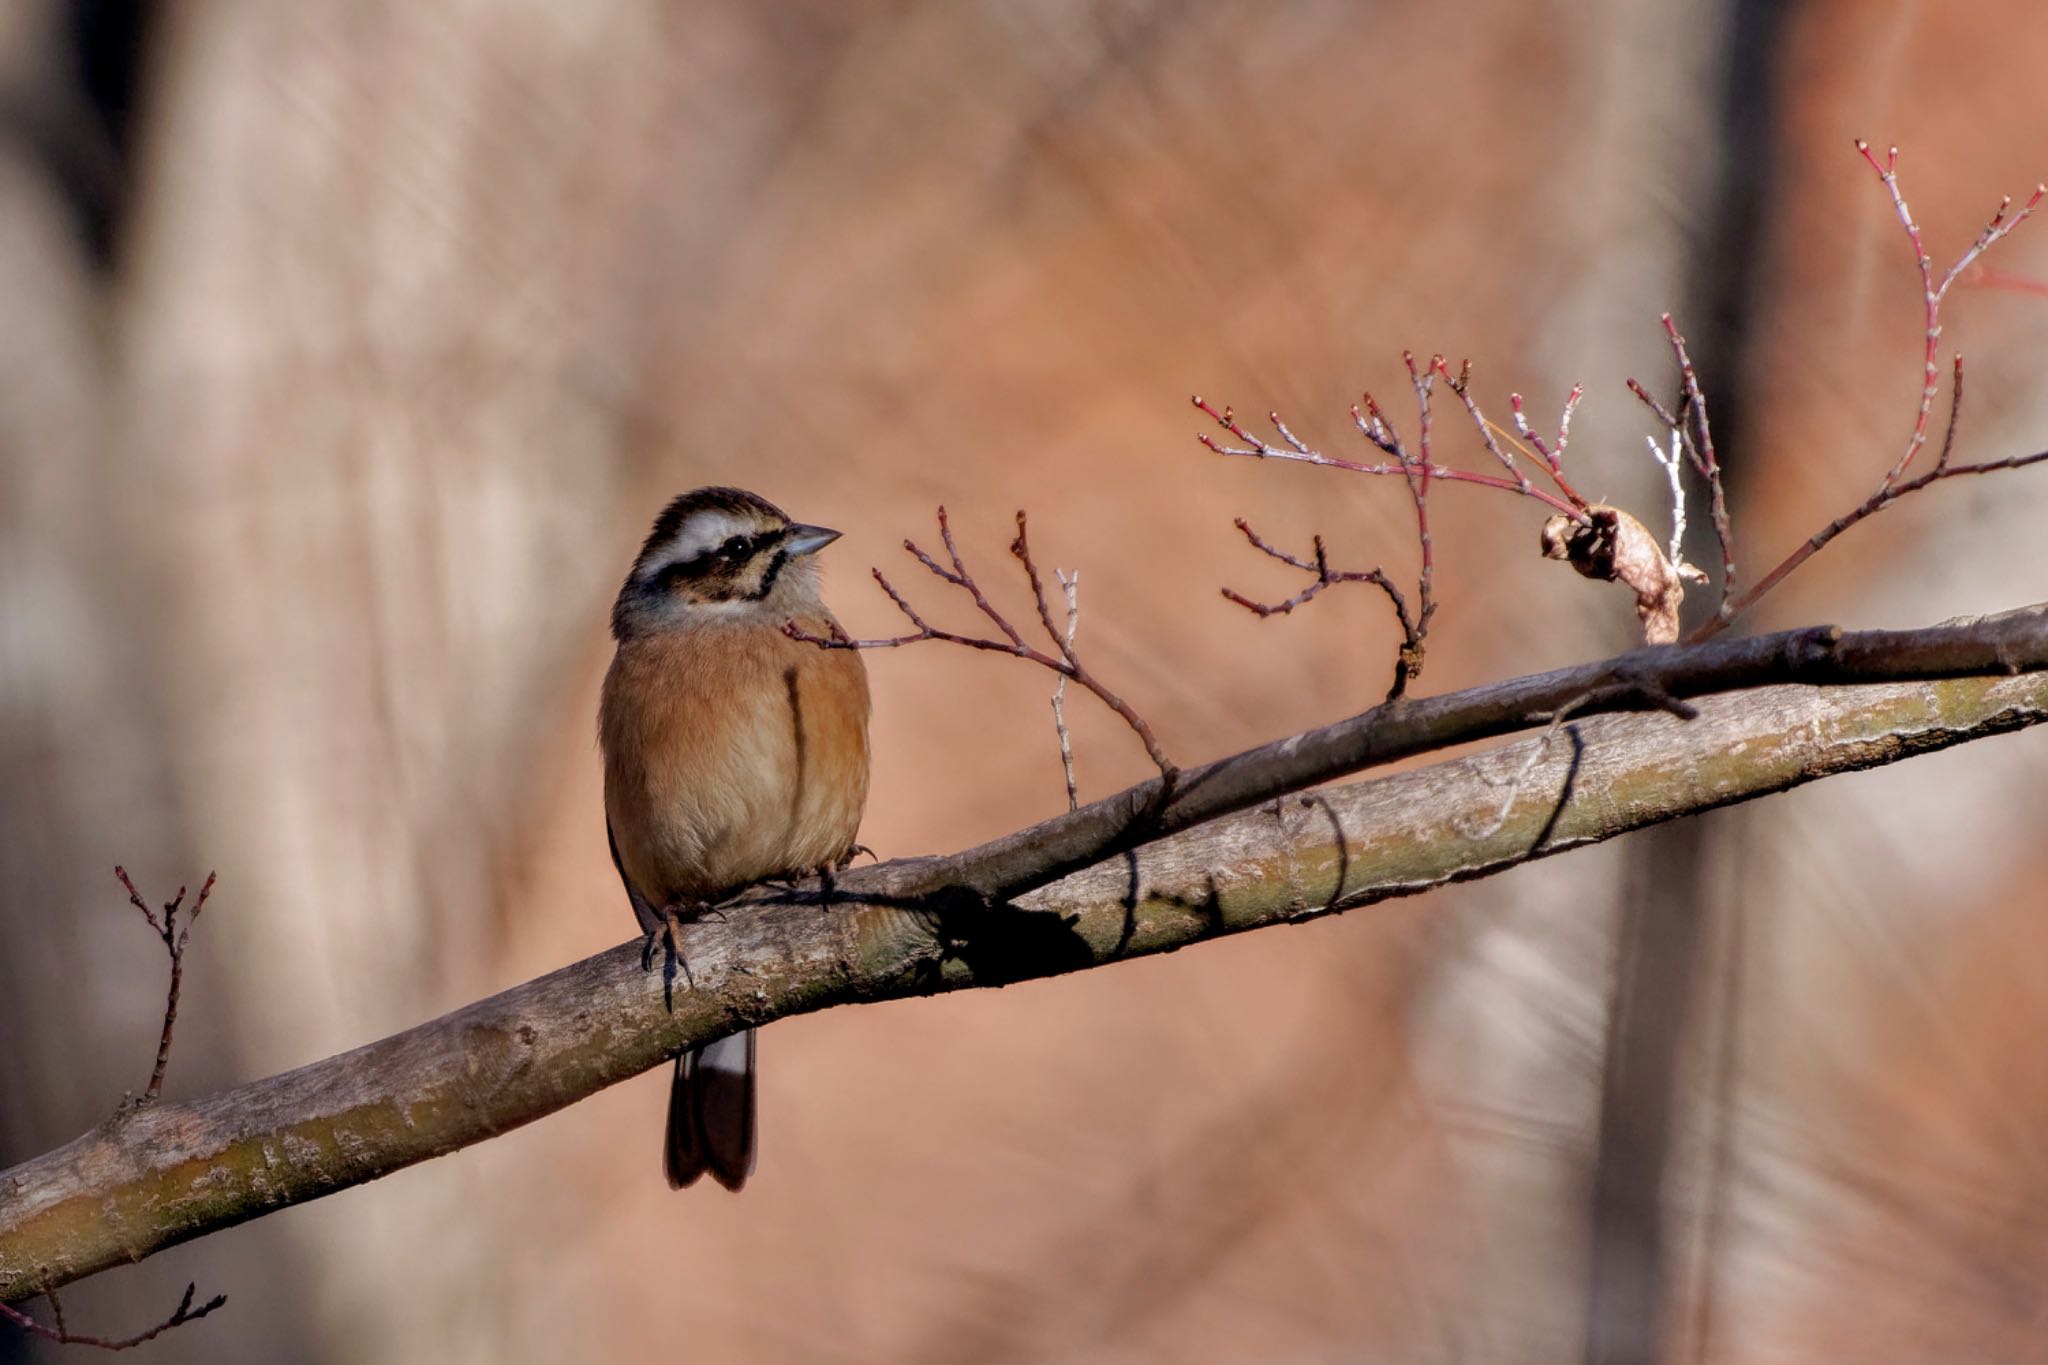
731 753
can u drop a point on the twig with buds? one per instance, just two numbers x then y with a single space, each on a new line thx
174 944
1606 542
175 940
1895 484
1063 661
1372 423
60 1334
1933 293
1418 469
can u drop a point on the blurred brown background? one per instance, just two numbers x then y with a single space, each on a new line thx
350 347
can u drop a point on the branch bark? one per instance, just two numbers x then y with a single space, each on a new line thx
1124 877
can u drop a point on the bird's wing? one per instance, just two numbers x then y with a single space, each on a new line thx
648 915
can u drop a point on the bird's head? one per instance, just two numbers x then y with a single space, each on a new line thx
720 554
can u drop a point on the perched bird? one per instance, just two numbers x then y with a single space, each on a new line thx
732 753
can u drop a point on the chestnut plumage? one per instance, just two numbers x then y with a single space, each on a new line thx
732 753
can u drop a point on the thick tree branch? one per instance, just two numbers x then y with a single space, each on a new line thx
1120 878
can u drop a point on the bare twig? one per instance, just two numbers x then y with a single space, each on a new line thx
1690 431
1419 470
1527 443
1373 424
1955 417
1417 475
1876 502
1698 440
1071 586
1410 661
1553 457
1895 484
1063 661
174 944
175 940
1932 293
1461 384
1672 462
1325 577
62 1335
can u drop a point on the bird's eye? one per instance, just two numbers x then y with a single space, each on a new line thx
734 547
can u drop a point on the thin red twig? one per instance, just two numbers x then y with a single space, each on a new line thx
1553 456
1895 485
1933 293
1876 502
1410 661
1418 477
1064 661
1461 385
1983 277
1419 470
1301 453
1955 417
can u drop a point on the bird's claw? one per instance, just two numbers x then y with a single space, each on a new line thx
668 932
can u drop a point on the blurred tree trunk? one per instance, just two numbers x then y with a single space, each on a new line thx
86 760
1667 963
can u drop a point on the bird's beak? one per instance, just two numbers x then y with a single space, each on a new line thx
808 540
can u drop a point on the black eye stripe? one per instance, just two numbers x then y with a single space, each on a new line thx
678 570
730 560
768 578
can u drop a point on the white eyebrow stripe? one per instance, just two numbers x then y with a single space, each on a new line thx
704 530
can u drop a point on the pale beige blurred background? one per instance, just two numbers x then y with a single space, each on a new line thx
349 348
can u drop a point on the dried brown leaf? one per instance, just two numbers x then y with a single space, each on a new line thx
1613 546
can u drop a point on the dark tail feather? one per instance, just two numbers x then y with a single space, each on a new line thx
711 1114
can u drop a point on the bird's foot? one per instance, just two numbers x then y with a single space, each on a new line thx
667 935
